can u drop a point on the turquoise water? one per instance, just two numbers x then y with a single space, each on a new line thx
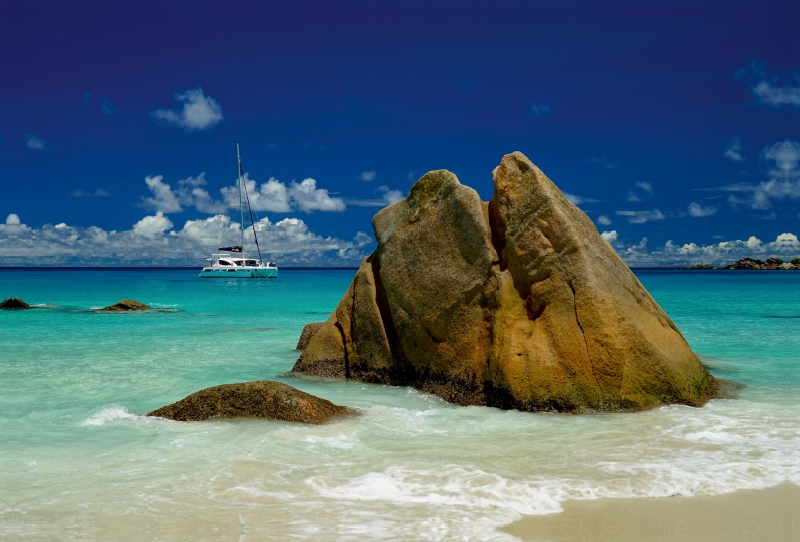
78 460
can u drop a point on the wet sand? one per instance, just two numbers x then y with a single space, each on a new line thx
762 514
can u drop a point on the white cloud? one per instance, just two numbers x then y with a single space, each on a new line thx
272 196
643 185
96 194
733 151
633 197
368 176
108 108
386 196
33 141
577 200
538 109
696 210
775 91
150 226
151 241
640 217
308 198
163 200
610 236
768 93
198 112
782 159
603 162
786 245
603 220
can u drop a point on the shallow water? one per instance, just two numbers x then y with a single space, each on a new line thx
78 460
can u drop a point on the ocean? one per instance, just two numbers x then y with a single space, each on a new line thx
79 460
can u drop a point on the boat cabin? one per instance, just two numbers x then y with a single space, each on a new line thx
226 260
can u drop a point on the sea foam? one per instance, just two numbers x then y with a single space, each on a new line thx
111 414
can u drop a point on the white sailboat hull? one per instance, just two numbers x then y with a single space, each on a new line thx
239 273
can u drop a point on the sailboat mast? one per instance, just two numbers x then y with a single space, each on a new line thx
241 205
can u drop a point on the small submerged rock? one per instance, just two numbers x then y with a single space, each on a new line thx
14 303
307 333
259 399
127 305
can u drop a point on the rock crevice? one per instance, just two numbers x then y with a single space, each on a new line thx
516 303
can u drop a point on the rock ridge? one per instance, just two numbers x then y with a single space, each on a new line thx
516 303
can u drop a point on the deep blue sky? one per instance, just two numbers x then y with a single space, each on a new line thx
615 101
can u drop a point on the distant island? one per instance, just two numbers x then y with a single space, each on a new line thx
750 263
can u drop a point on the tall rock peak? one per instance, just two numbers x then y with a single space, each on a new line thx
518 303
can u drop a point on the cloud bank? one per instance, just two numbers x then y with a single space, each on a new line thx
785 245
153 241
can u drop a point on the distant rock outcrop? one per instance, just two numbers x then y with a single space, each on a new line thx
770 264
259 399
515 303
753 264
126 305
14 303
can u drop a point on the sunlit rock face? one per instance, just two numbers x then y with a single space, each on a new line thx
516 303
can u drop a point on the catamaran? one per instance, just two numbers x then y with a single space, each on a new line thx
232 261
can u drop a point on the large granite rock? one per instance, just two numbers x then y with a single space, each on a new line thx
13 303
260 399
126 305
518 303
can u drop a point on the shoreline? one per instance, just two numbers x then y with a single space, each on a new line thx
744 515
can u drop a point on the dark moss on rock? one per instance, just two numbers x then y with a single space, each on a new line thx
259 399
14 303
127 305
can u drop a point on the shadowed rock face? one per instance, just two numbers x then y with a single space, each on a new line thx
260 399
518 303
127 305
14 303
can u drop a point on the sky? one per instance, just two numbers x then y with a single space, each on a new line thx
673 125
